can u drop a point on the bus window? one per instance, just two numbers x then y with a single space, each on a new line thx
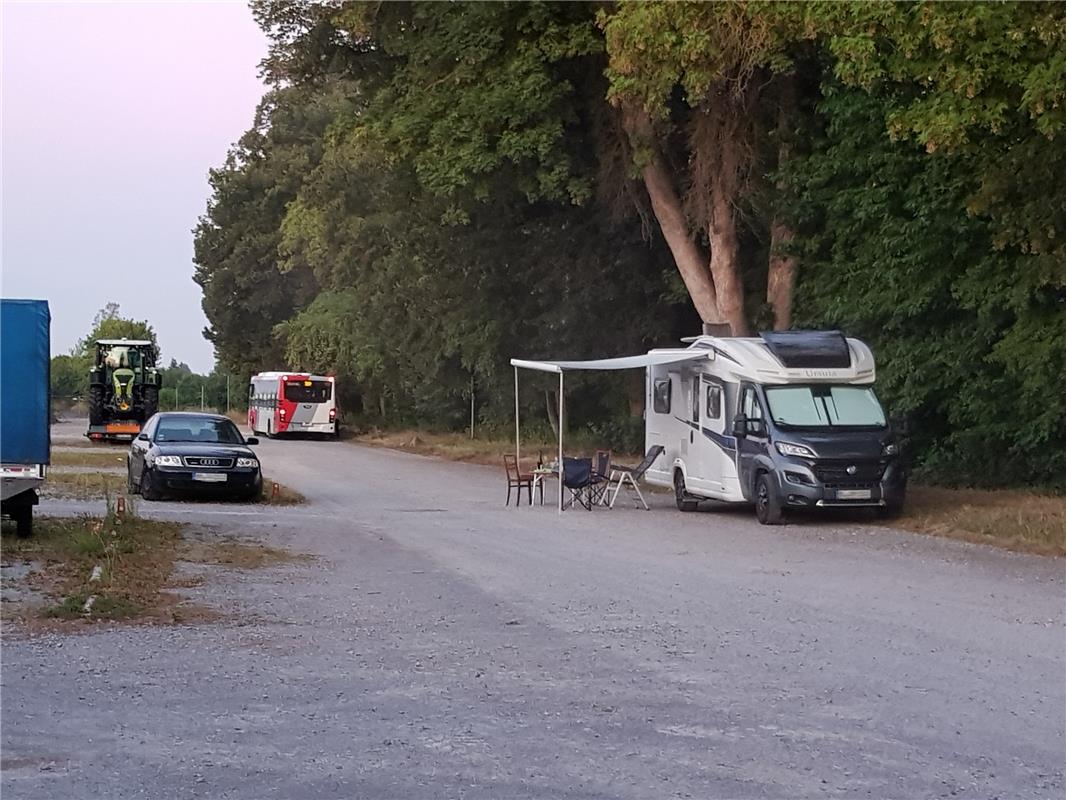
309 391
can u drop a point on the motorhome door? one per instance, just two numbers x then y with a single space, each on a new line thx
707 458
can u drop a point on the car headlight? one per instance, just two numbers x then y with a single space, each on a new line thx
247 462
797 450
890 449
168 461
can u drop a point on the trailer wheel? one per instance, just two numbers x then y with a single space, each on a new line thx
681 497
24 522
96 405
767 503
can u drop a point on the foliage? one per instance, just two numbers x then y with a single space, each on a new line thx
430 189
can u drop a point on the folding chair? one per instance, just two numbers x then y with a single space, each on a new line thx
628 476
601 477
577 477
519 480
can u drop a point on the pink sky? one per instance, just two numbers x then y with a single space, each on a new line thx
112 115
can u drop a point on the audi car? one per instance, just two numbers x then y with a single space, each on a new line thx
188 453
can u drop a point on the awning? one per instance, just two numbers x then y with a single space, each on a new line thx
626 362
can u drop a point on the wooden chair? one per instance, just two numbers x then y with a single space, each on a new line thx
517 479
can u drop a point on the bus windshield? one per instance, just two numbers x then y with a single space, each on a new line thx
308 391
825 406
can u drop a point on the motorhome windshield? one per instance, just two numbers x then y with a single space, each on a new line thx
825 406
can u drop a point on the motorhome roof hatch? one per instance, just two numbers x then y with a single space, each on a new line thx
807 349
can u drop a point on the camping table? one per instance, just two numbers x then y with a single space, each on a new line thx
539 476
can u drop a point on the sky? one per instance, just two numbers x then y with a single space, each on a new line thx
112 115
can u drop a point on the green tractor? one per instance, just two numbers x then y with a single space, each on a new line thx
123 382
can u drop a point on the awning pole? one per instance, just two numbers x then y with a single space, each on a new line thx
561 424
516 444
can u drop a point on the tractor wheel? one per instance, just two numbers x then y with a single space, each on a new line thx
96 405
151 401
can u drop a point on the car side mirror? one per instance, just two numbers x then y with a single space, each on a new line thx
142 437
740 426
251 440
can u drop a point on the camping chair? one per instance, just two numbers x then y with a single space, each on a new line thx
519 480
601 477
630 475
577 477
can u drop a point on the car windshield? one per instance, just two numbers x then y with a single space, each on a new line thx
198 429
825 406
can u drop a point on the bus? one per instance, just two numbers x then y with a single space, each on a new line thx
292 402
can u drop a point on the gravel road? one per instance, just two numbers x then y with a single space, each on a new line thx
443 646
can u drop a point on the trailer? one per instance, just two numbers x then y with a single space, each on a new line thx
25 407
124 431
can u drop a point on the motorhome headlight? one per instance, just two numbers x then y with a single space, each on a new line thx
168 461
247 462
890 449
795 450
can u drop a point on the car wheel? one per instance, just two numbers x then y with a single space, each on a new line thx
148 488
131 487
24 522
681 497
890 510
767 504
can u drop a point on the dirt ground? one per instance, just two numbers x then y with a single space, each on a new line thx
424 641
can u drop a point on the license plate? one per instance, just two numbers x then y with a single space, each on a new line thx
209 477
854 494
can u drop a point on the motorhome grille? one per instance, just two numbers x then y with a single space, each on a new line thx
207 461
838 473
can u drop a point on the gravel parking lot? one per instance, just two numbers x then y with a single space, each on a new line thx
439 645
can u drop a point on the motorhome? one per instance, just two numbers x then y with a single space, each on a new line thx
785 420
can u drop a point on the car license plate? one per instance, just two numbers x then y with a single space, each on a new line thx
854 494
209 477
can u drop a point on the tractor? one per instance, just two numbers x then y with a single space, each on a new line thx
123 382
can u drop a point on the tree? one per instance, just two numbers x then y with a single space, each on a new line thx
110 324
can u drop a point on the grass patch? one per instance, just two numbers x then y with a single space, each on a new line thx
231 552
83 485
1022 521
101 485
136 556
284 496
487 450
86 457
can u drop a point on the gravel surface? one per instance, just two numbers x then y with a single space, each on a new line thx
442 646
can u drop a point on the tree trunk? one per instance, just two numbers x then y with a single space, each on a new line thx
636 387
666 205
781 276
725 262
551 403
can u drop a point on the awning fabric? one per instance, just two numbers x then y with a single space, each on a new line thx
627 362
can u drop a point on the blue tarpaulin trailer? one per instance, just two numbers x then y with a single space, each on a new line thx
25 406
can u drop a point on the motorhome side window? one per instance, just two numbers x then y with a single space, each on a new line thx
695 400
714 401
750 408
661 396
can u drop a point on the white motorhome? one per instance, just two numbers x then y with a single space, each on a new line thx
783 420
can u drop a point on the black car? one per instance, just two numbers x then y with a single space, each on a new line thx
186 452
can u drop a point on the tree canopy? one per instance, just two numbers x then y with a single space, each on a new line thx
432 188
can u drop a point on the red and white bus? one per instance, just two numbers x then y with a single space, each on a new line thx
292 402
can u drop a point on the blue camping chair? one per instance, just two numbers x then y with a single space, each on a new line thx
578 478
